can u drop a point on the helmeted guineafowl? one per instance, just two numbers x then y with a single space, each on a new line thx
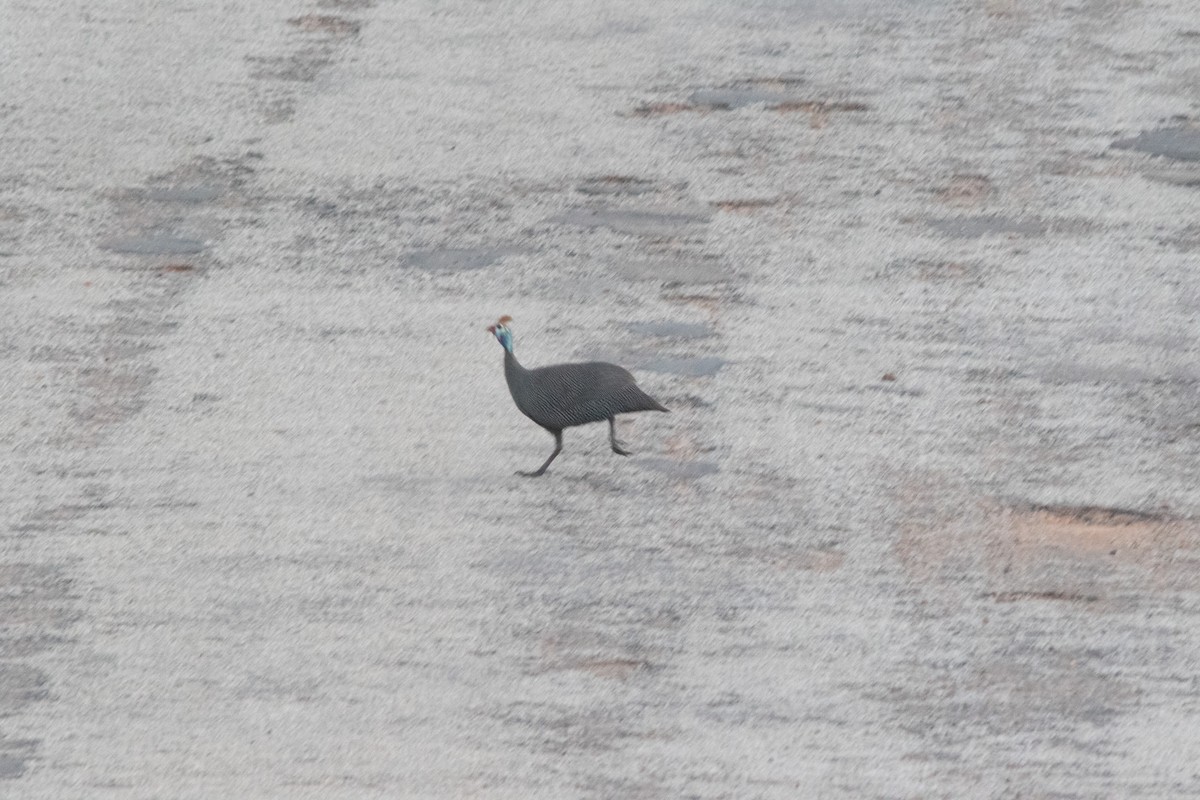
566 395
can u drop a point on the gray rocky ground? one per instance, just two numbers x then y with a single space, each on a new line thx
918 282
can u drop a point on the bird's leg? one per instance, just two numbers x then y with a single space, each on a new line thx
542 469
612 438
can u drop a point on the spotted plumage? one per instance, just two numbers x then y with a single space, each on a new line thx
566 395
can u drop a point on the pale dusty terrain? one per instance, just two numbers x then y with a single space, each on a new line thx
924 521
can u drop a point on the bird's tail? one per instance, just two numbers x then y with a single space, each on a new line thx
654 405
637 400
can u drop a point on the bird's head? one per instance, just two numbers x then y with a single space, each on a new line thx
502 332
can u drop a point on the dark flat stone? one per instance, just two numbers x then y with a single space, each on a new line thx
737 98
20 685
688 470
975 227
675 270
615 185
12 766
633 221
184 194
153 245
1179 143
698 367
457 259
677 330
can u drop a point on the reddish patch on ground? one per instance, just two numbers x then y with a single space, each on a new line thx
706 302
818 110
580 649
178 268
820 105
1095 532
326 23
941 270
681 446
736 206
613 668
965 191
1012 597
810 559
661 109
1003 9
617 180
1088 555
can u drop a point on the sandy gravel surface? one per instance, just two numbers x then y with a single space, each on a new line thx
919 284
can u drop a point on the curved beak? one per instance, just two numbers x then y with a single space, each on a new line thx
491 329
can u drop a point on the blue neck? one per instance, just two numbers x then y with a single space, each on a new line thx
505 338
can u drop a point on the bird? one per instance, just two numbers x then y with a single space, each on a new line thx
565 395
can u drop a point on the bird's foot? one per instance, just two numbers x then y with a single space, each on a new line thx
619 450
537 473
